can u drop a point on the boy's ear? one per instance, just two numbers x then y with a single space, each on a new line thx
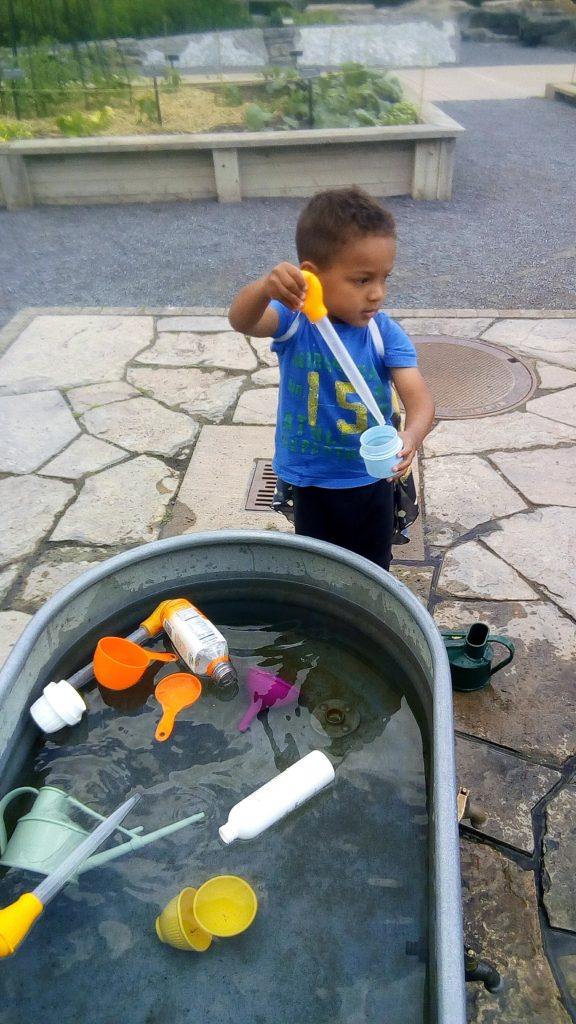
307 265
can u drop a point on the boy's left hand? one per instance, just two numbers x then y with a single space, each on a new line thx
405 455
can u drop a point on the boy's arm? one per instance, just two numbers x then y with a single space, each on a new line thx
419 409
251 313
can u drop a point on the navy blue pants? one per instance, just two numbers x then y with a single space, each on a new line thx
357 518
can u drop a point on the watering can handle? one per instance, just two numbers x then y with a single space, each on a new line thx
3 805
505 643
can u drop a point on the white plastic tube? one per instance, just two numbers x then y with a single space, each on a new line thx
278 797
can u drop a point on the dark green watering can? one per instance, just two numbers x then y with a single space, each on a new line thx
470 655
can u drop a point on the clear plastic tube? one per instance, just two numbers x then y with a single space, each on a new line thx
51 885
340 352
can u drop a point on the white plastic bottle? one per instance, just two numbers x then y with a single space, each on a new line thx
276 798
199 644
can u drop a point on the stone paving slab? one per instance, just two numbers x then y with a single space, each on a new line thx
207 393
554 376
84 456
228 349
462 492
12 624
53 571
560 859
30 506
7 578
141 425
470 570
418 578
540 545
506 787
259 406
554 341
84 398
501 922
530 705
34 428
131 500
510 430
544 476
560 406
451 326
215 485
51 352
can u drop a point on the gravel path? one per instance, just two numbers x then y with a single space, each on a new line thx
507 238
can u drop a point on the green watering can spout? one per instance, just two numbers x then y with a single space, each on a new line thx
470 655
47 834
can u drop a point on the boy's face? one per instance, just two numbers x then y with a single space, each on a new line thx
354 284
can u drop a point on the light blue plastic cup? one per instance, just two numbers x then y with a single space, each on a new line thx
379 447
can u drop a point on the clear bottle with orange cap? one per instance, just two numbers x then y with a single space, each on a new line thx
198 642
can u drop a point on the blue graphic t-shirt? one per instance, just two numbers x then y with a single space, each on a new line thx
320 416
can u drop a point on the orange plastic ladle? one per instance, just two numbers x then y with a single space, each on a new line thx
175 693
120 663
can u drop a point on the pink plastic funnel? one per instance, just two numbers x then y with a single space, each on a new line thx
266 690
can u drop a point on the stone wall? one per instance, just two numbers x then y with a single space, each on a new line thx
395 42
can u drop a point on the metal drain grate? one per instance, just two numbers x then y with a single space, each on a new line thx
261 487
471 378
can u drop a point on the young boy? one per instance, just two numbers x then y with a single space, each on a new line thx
348 240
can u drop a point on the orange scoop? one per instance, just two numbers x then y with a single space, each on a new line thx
119 663
175 693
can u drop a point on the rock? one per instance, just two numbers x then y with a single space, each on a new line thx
34 428
51 351
501 923
560 860
122 505
29 507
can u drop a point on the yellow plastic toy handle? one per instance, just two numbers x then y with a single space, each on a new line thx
17 920
154 623
313 307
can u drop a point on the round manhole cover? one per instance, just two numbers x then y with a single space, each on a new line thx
470 378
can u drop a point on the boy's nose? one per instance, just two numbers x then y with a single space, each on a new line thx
377 292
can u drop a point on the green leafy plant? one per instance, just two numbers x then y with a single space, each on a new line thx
352 97
71 21
172 81
279 14
147 109
231 95
9 132
79 123
257 119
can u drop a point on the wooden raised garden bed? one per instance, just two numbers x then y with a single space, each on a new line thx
414 159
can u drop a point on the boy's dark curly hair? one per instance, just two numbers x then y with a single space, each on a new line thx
335 217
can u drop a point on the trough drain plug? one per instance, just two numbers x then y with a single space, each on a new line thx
335 718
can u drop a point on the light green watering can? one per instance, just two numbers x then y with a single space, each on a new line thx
45 836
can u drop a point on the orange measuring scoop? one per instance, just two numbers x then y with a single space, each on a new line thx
119 663
175 693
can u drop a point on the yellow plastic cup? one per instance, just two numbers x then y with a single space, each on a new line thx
177 926
225 905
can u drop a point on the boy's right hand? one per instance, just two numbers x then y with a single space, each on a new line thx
287 284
